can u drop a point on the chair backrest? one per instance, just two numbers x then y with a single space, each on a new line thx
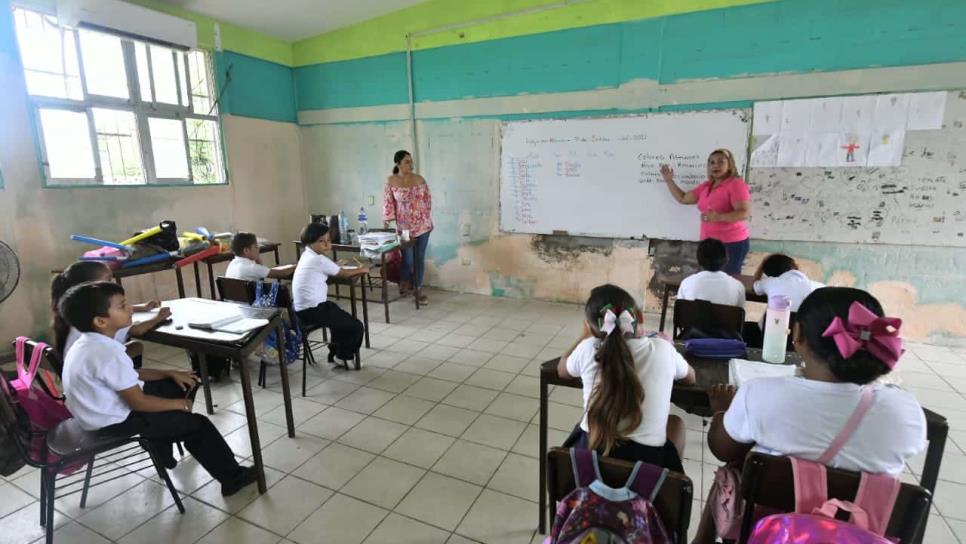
767 480
704 315
235 290
673 501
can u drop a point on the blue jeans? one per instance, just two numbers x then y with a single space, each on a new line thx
420 254
737 251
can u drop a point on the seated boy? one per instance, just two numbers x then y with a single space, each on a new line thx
104 392
247 264
711 283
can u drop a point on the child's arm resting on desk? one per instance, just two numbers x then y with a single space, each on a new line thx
139 402
141 328
562 364
285 271
722 445
346 273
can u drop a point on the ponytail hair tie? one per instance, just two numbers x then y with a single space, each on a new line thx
611 321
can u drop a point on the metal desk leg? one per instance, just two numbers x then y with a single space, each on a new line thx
246 380
286 389
667 293
365 310
335 257
544 394
197 280
211 281
385 283
415 278
203 366
275 251
177 273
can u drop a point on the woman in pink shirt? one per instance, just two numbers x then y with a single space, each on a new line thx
407 202
724 203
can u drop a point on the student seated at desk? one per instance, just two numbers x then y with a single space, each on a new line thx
310 293
104 392
711 283
778 275
846 344
627 382
86 271
247 264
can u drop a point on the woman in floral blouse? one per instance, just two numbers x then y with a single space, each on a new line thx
407 202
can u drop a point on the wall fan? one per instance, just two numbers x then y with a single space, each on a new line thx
9 271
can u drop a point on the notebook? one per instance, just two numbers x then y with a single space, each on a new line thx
742 370
235 324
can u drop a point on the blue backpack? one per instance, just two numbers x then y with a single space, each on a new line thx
267 298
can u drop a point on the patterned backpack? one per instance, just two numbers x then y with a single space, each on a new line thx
599 514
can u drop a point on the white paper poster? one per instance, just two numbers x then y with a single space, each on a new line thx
796 116
791 150
826 115
853 149
926 111
857 112
767 119
822 149
891 111
885 148
766 154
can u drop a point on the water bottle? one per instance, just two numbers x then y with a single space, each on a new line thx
776 329
363 221
343 228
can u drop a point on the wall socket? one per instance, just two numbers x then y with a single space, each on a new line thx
465 228
465 261
372 200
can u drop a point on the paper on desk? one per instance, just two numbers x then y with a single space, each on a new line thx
742 370
199 310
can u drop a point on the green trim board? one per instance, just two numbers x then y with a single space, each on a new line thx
257 88
784 37
387 34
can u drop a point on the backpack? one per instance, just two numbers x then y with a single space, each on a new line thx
268 298
391 272
595 512
43 410
10 459
218 366
814 518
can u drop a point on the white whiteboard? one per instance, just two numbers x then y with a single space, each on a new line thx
599 177
922 202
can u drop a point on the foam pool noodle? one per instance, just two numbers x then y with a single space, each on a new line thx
98 242
144 235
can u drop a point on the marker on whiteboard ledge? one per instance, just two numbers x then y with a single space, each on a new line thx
560 233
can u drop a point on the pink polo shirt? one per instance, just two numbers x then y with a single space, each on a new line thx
722 199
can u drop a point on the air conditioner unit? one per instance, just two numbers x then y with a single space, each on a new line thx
128 19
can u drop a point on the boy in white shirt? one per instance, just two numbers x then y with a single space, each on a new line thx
711 283
310 294
104 392
247 264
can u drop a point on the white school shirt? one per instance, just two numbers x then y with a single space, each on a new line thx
309 287
658 365
95 369
799 417
715 287
74 335
243 268
793 284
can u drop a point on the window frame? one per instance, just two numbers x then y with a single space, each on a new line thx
142 109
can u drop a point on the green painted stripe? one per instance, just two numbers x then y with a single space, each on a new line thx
781 37
387 34
256 88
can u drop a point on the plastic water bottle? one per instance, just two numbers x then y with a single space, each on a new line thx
363 221
343 228
776 329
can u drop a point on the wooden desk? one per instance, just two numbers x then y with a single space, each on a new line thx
168 335
336 248
225 256
150 269
675 283
694 399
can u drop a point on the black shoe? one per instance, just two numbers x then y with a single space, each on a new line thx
331 356
165 456
245 476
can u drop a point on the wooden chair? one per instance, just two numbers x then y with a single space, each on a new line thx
701 314
67 445
767 480
244 292
673 501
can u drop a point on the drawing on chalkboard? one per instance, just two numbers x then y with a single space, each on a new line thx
850 147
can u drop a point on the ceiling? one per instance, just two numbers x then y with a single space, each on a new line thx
293 20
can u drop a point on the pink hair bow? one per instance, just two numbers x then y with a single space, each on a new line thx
865 330
611 322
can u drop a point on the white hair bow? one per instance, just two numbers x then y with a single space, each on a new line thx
611 321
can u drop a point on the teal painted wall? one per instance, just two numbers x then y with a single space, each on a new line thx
791 36
257 88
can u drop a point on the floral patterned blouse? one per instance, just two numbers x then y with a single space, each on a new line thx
411 207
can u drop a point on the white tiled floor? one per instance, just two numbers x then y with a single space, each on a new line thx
435 441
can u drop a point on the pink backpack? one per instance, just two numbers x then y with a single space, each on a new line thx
43 410
595 512
814 516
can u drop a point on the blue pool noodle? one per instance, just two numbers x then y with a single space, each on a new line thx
147 260
96 242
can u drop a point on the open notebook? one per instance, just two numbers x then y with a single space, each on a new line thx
742 370
236 324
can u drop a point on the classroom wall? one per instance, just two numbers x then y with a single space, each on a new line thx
353 112
264 194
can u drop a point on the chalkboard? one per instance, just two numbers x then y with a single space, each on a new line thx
922 201
600 177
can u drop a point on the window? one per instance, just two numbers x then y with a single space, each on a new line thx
114 110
